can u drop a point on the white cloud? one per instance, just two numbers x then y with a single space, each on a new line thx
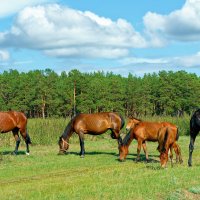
88 52
187 61
136 60
9 7
181 25
4 55
140 66
62 32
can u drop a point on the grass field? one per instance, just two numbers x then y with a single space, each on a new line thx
46 175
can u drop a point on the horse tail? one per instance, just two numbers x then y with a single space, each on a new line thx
166 134
177 135
122 121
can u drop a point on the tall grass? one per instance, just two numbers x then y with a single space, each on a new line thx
47 131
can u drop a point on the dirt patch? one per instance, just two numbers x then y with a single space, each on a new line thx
190 195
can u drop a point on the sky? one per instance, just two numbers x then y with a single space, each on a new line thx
130 36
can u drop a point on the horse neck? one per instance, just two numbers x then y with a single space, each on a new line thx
68 131
127 140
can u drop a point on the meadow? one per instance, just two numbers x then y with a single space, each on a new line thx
46 175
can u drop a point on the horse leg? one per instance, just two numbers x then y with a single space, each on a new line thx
27 147
175 147
171 155
115 135
145 150
138 149
27 139
178 153
81 139
191 148
17 139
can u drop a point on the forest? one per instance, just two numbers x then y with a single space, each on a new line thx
44 93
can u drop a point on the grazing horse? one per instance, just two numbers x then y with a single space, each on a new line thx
144 131
167 138
15 122
93 124
194 130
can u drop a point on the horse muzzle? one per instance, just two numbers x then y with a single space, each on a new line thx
121 160
62 152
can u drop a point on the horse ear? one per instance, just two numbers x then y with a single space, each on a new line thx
130 116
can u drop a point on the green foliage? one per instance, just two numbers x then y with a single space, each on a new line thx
43 93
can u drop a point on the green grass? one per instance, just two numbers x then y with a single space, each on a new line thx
46 175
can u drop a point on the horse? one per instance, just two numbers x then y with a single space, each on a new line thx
167 138
144 131
15 122
93 124
194 130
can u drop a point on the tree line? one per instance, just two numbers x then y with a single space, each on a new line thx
44 93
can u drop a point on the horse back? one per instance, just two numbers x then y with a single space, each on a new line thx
147 130
11 120
96 123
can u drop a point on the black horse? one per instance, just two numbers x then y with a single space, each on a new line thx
194 130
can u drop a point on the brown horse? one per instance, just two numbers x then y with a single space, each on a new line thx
167 138
144 131
15 122
94 124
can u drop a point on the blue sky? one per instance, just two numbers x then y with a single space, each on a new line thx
124 37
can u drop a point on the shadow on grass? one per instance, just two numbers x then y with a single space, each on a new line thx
92 153
152 167
12 153
143 158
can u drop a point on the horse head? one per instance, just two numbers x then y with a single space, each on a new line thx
123 152
163 159
132 122
63 145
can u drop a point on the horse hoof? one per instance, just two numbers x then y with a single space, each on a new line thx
82 156
27 153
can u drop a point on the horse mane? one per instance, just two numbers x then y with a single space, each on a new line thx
132 117
126 138
69 127
122 121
